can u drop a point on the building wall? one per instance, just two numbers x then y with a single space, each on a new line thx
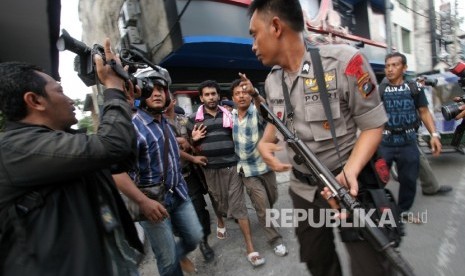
422 36
99 20
404 19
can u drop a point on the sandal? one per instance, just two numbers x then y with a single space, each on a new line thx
255 259
221 233
187 265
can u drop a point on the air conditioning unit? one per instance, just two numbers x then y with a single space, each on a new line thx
133 35
129 40
130 12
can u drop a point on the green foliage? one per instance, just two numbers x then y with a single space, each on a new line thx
87 123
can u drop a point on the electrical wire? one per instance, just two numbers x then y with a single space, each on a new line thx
158 45
408 8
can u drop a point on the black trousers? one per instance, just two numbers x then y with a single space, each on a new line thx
317 248
196 192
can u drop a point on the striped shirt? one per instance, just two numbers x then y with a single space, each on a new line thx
246 134
150 149
218 145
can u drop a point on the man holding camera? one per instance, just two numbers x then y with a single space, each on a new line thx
165 201
60 212
406 105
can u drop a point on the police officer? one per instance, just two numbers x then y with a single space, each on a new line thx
277 30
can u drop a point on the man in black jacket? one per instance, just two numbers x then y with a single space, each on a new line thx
60 213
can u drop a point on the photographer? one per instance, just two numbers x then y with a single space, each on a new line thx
60 211
428 181
461 108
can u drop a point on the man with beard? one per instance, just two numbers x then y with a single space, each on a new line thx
211 132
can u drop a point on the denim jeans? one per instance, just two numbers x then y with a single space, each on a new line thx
407 160
168 250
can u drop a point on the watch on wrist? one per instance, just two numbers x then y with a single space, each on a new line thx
436 134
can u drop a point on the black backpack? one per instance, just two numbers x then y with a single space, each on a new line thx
374 196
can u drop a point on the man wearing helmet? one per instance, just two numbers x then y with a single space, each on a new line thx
157 183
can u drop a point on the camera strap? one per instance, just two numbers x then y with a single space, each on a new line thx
119 70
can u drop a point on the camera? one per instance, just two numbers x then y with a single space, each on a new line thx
431 82
85 67
83 62
450 111
426 81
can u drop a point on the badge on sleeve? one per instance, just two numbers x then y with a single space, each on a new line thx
355 67
365 85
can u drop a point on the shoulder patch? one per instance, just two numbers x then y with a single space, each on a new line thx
355 67
365 85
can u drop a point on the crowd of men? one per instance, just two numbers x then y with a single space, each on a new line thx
61 209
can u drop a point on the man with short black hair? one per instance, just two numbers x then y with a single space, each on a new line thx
259 180
165 201
276 27
210 129
407 106
60 212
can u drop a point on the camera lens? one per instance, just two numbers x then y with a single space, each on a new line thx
450 111
431 82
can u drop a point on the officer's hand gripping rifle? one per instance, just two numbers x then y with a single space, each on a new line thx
303 155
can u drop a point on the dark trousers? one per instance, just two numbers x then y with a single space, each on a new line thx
317 248
407 160
196 193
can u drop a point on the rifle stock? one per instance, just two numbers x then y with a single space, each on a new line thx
303 155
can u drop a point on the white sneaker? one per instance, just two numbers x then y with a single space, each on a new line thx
280 250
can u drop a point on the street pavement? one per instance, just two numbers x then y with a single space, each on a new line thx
433 248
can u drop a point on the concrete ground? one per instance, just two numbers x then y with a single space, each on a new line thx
230 253
433 248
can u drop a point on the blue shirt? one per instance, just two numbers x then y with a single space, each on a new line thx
150 149
246 134
401 107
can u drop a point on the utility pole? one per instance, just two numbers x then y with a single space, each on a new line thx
432 26
388 7
455 23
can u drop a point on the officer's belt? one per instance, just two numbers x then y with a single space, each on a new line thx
310 178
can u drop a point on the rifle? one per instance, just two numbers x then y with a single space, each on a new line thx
303 155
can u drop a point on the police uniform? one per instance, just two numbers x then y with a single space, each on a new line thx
355 105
